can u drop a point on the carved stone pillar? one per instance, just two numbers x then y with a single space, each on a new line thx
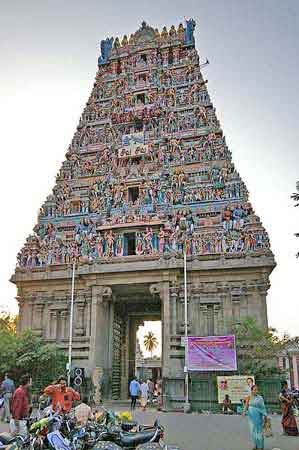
88 318
99 326
79 329
204 319
174 294
53 324
63 324
38 319
20 322
162 289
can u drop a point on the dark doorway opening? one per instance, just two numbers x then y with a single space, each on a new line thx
130 244
144 58
140 99
133 194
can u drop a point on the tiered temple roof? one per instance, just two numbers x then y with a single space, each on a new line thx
148 172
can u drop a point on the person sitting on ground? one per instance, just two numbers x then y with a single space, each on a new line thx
62 396
227 407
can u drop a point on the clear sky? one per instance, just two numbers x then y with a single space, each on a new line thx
48 57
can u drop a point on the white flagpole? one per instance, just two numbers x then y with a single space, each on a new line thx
71 326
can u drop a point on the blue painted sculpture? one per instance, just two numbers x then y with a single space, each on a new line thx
189 31
106 46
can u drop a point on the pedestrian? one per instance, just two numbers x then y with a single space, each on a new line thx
134 392
83 414
257 416
288 420
62 396
7 388
227 407
144 394
151 388
20 407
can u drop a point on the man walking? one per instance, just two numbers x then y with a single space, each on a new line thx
61 395
134 392
20 407
8 388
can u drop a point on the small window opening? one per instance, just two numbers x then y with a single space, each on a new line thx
142 77
130 241
144 58
118 70
140 99
170 57
133 194
138 125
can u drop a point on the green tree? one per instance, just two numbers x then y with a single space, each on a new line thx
258 349
150 342
27 353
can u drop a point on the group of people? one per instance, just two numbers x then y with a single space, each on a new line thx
145 391
17 401
253 406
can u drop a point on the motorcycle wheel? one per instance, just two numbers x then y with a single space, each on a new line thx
106 445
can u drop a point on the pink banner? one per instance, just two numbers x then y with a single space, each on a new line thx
211 353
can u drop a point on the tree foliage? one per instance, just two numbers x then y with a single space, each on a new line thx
258 349
27 353
150 342
295 197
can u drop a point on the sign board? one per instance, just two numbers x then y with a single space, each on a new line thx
211 353
132 145
237 387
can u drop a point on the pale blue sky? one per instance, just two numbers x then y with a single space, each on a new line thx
49 51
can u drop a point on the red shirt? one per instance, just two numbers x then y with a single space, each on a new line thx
62 399
20 404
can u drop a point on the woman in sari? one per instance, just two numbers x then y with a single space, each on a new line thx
288 420
255 406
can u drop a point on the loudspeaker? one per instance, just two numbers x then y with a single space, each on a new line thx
79 376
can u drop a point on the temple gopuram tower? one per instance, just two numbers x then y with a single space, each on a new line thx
147 176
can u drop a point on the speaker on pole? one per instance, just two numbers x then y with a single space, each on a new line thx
79 376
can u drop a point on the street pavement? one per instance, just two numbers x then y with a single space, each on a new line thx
211 432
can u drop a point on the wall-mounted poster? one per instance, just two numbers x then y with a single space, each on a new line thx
132 145
211 353
237 387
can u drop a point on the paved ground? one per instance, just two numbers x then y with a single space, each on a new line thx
212 432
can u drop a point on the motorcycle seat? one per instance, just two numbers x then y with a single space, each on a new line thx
6 438
127 426
134 439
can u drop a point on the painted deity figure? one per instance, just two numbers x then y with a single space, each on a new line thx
109 244
106 46
148 237
139 244
119 246
161 236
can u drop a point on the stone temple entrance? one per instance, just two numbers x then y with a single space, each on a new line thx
147 177
132 306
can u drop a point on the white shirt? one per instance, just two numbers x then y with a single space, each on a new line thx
144 390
